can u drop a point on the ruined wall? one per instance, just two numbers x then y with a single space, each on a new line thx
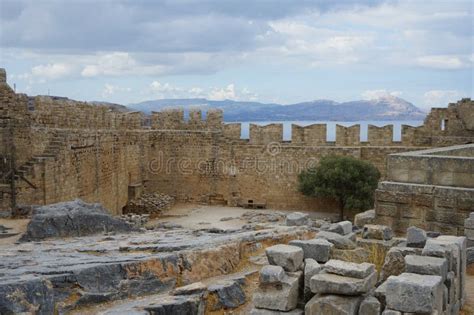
432 189
70 149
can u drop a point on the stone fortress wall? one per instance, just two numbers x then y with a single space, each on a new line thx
66 149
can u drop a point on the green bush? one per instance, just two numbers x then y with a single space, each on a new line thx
352 182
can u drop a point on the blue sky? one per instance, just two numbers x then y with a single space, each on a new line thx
282 51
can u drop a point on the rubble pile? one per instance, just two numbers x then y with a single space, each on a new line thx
422 274
153 204
137 220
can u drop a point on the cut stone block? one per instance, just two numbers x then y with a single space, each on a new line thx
339 241
469 223
311 268
363 218
378 232
333 305
317 249
425 265
284 298
287 256
460 242
370 306
177 304
349 269
416 237
391 312
193 288
380 293
229 293
343 227
413 293
271 274
297 219
262 311
324 283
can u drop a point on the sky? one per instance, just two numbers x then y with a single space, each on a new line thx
284 51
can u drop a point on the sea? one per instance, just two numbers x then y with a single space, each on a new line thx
331 127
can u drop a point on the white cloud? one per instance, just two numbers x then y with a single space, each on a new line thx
110 90
375 94
441 62
219 94
440 98
50 71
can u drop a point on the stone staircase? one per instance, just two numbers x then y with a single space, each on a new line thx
55 145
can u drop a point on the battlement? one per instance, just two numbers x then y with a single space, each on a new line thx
56 112
173 119
313 135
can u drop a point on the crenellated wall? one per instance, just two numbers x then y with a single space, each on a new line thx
68 149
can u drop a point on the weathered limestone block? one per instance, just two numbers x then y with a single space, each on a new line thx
317 249
349 269
413 293
363 218
324 283
193 288
436 250
416 237
297 218
339 241
262 311
311 268
287 256
378 232
460 242
333 305
179 304
279 298
391 312
357 255
425 265
370 306
72 218
380 293
343 227
230 294
394 263
271 274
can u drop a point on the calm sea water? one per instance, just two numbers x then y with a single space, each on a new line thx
331 127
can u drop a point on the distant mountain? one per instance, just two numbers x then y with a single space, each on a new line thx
384 108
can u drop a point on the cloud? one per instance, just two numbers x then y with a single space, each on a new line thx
375 94
110 90
51 71
158 89
441 98
441 62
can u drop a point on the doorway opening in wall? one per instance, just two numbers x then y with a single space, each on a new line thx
444 124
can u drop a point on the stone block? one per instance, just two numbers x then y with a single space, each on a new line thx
413 293
324 283
470 255
469 223
193 288
391 312
271 274
229 293
378 232
416 237
363 218
339 241
370 306
356 255
425 265
469 233
311 268
343 227
460 242
317 249
394 263
282 298
349 269
333 305
262 311
297 219
179 304
286 256
380 293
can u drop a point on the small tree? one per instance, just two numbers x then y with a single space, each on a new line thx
350 181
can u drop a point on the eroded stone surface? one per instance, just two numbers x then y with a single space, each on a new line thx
287 256
339 241
284 298
333 305
317 249
324 283
349 269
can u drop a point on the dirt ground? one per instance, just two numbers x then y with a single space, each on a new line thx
194 216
